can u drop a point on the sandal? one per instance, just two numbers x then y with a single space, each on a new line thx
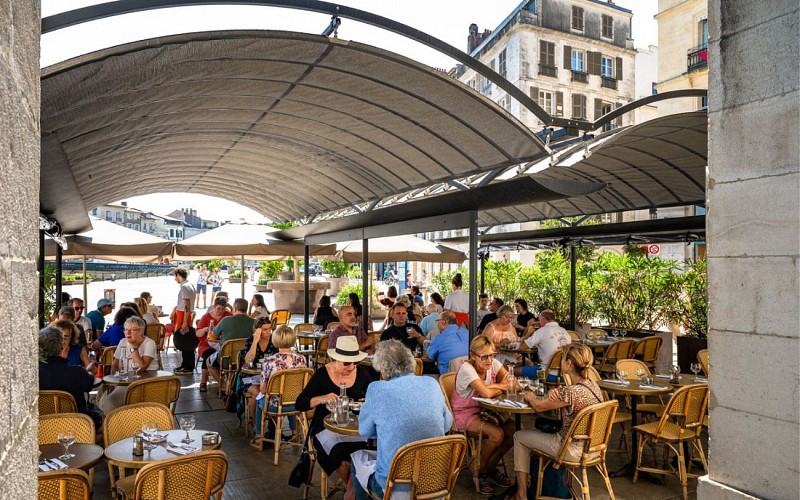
499 478
204 387
484 485
256 443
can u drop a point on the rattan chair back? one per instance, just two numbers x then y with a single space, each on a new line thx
687 408
229 363
646 350
51 402
621 349
429 466
702 358
287 386
596 333
630 366
164 390
418 367
67 484
155 332
107 359
303 327
199 475
281 316
456 363
447 381
590 430
333 325
574 335
321 356
51 425
126 421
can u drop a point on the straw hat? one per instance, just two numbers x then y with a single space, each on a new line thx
347 350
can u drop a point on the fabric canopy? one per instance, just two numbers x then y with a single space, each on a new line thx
109 241
248 241
400 248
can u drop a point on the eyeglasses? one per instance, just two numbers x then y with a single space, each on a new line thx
78 308
133 330
486 357
349 363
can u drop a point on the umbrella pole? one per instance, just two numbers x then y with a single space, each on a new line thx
59 271
365 316
473 271
244 276
40 268
306 298
85 292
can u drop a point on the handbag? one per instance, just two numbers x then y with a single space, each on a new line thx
493 416
548 425
301 470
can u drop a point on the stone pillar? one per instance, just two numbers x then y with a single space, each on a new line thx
753 249
19 203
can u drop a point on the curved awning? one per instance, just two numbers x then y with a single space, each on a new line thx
288 124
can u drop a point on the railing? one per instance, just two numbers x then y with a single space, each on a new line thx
697 58
487 89
580 76
608 82
545 70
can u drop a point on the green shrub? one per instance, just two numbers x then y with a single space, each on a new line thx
237 275
268 270
336 268
353 287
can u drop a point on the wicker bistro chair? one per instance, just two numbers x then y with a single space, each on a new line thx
430 466
164 390
702 358
155 332
321 356
687 407
621 349
83 425
287 386
554 364
630 366
281 316
107 359
67 484
333 325
646 350
126 421
591 430
228 363
199 475
574 335
51 402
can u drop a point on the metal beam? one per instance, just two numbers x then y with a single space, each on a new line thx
40 269
306 279
473 271
365 292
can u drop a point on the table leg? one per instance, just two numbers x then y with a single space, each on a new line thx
629 468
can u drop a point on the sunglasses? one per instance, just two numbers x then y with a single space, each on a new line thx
78 308
349 363
486 357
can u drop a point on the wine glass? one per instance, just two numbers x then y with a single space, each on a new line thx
615 332
187 423
695 367
622 375
65 439
148 429
134 373
623 333
641 374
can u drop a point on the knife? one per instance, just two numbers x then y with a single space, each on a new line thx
51 464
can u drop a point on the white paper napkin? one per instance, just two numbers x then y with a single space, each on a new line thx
51 464
182 450
649 386
664 376
615 382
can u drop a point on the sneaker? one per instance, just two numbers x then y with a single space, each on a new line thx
180 369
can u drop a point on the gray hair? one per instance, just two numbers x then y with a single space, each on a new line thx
433 308
503 310
67 310
393 359
50 341
240 305
138 321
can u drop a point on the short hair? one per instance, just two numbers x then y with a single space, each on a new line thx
548 314
393 359
391 291
398 304
498 301
139 322
325 301
51 341
483 296
223 294
416 289
283 337
72 328
433 308
181 271
240 305
449 317
67 310
344 308
145 295
221 300
123 315
503 310
263 320
76 300
457 280
522 303
479 343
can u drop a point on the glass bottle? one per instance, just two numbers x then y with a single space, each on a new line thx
343 404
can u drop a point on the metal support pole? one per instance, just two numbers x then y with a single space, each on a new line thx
40 270
59 271
473 272
306 286
483 272
365 311
244 276
572 261
85 286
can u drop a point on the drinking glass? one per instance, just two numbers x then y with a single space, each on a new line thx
622 375
134 373
641 374
65 439
695 367
615 333
623 333
187 423
148 429
331 406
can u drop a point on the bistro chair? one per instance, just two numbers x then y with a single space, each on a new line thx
702 358
681 422
198 475
590 430
155 332
596 333
321 356
418 366
621 349
456 363
429 466
333 325
67 484
107 359
281 316
305 346
286 385
630 366
554 364
125 421
646 350
51 402
82 425
228 363
164 390
573 335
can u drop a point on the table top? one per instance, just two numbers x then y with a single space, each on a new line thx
121 452
351 429
115 380
251 371
634 388
312 335
517 350
86 455
508 409
683 379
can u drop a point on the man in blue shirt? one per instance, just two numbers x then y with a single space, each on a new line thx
97 317
452 342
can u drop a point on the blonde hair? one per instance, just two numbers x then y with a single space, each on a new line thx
479 343
68 328
283 337
141 305
581 357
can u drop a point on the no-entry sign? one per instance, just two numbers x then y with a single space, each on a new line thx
653 249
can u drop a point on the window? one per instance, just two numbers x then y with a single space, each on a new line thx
608 26
547 53
108 216
577 18
579 106
607 67
118 216
578 61
605 109
704 102
94 212
501 63
703 35
546 102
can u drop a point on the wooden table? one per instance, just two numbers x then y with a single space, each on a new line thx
349 429
683 380
251 371
633 389
116 381
120 453
526 354
86 455
517 412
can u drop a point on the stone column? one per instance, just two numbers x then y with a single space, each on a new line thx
19 204
753 249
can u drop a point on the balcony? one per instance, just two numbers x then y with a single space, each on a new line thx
545 70
487 89
608 82
580 76
697 58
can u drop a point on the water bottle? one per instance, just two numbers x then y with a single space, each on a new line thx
512 383
342 405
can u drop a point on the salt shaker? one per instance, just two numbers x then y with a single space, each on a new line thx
138 446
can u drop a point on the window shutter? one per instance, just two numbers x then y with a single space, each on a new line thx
567 57
598 108
559 104
534 93
618 120
619 68
594 62
542 52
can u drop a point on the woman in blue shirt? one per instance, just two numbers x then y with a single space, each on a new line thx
77 355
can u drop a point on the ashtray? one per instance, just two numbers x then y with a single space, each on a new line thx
158 438
355 407
210 438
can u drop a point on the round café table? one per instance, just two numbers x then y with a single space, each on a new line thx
525 353
114 380
683 380
251 371
523 409
86 455
121 454
348 429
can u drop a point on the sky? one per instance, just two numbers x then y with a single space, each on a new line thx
447 20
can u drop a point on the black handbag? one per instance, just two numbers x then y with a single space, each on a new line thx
548 425
301 470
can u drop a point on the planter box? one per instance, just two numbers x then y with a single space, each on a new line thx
688 347
262 288
236 280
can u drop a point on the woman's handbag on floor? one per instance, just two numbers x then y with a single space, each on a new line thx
299 474
554 482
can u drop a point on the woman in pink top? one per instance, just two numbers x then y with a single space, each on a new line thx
483 375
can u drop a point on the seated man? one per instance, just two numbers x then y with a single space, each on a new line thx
238 326
348 326
430 322
549 339
97 317
409 334
490 316
452 342
56 375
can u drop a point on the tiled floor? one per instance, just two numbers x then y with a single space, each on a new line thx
251 474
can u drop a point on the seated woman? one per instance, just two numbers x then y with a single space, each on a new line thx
257 347
333 450
483 375
394 409
136 353
78 353
206 323
285 358
325 314
501 331
144 311
387 302
258 308
569 400
116 332
353 300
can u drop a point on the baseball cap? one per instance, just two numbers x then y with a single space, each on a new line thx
104 302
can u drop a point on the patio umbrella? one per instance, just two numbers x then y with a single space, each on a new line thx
399 248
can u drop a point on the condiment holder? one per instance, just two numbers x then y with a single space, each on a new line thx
210 438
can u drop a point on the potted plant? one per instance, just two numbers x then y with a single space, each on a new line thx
268 270
288 273
237 276
337 269
695 314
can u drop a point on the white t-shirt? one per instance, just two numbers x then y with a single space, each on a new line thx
262 311
186 292
148 348
457 301
549 338
467 374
